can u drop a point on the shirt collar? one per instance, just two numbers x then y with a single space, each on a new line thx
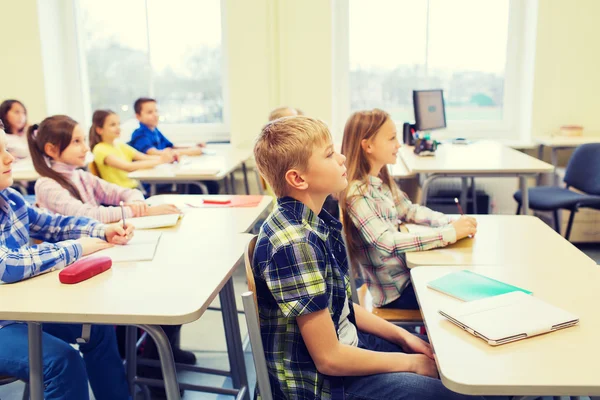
145 127
4 201
375 181
62 168
321 223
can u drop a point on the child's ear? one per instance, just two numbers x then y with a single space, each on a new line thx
51 150
366 146
295 180
138 116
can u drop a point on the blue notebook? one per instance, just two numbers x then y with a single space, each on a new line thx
468 286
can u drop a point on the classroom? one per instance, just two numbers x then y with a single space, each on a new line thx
285 199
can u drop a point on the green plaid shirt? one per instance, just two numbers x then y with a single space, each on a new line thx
299 267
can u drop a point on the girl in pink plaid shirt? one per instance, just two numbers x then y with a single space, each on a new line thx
372 207
58 150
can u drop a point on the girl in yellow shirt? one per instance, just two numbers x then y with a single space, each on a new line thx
115 159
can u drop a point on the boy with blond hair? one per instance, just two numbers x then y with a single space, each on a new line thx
318 344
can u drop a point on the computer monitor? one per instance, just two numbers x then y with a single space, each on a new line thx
430 112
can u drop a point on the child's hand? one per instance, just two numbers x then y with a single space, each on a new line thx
167 157
92 245
465 226
414 344
116 234
163 209
423 365
139 208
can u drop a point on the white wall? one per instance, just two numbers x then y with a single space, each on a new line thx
21 74
567 66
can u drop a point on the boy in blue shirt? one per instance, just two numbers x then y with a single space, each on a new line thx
149 140
318 344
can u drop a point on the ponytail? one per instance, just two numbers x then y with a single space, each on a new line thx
58 131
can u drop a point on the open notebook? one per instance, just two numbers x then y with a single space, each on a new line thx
140 248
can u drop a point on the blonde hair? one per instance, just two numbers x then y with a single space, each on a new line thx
287 143
281 112
360 126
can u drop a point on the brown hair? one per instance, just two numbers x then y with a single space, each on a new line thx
139 103
287 143
4 109
360 126
281 112
57 130
98 120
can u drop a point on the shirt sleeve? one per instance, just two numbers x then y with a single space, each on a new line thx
52 196
294 276
111 194
141 142
409 212
27 261
377 233
100 153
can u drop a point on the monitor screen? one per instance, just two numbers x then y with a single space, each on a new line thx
429 108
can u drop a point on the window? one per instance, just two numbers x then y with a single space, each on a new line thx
167 49
460 46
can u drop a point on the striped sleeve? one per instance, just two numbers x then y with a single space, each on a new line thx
52 196
111 194
376 232
409 212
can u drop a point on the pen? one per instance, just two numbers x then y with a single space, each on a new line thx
123 215
460 210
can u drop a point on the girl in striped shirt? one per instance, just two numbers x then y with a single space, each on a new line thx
372 206
58 150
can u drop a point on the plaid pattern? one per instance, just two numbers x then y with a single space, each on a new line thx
99 198
19 221
144 139
376 215
299 267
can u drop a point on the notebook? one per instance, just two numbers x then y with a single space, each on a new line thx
468 286
508 317
140 248
154 221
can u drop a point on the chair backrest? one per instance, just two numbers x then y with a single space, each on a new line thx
93 168
252 321
248 257
583 169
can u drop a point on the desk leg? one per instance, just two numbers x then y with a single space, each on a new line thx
474 195
235 350
153 189
165 353
540 157
463 193
36 376
555 164
525 195
245 170
131 357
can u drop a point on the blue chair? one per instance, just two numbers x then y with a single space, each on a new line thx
583 174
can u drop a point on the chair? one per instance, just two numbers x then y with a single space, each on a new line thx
393 315
582 174
251 312
93 169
